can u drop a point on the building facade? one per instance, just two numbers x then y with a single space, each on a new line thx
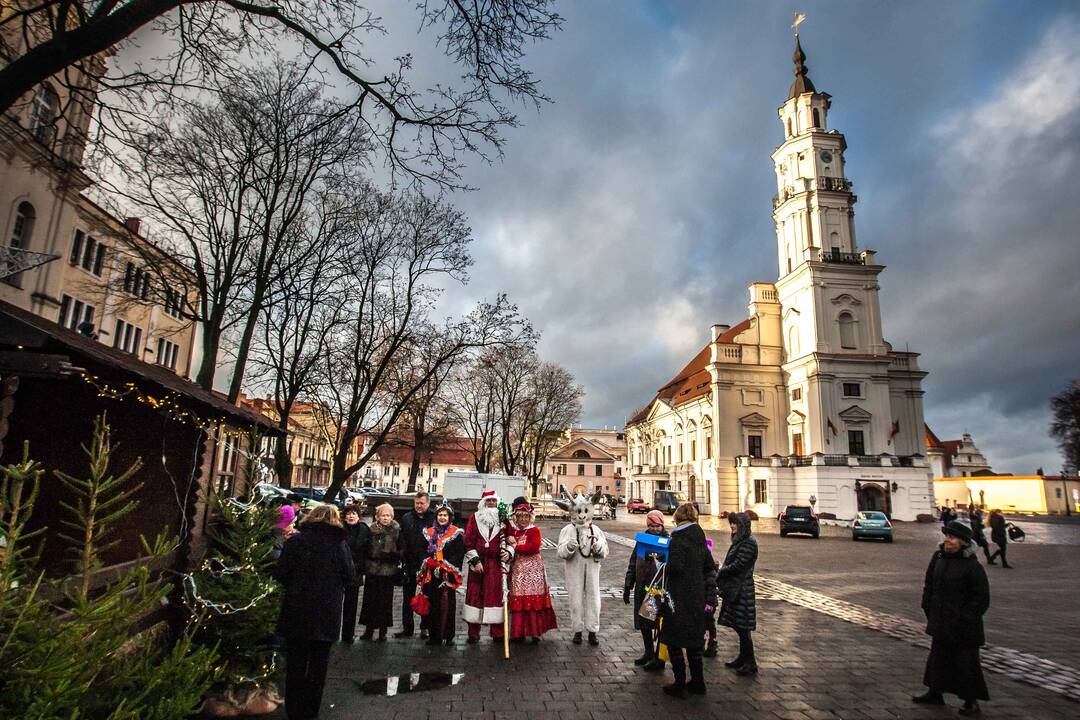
1038 494
955 458
391 463
804 402
588 458
85 268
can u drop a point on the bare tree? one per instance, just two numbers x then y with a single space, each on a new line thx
474 406
202 41
296 326
1065 426
555 406
389 351
230 184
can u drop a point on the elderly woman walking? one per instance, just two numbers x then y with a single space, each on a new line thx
690 568
956 595
314 569
639 572
735 580
381 570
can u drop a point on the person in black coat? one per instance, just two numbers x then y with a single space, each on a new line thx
1000 535
314 569
413 552
358 535
735 580
975 517
956 595
639 572
682 626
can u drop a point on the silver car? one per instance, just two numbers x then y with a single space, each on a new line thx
871 524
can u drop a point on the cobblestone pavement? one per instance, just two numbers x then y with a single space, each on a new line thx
820 657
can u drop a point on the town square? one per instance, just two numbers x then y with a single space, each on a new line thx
541 359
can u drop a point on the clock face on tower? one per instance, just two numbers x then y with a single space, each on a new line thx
826 156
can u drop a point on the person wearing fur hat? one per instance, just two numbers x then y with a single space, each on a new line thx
380 573
531 612
956 595
639 572
485 554
314 569
439 576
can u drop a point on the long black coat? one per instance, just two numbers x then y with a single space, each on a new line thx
639 573
357 540
413 544
956 595
735 579
314 568
998 532
689 563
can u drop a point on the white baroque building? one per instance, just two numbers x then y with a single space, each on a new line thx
804 402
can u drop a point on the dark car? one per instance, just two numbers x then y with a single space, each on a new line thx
799 519
636 505
666 501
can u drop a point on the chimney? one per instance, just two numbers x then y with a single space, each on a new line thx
133 224
718 330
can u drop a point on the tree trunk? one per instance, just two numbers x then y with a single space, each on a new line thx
414 472
242 352
282 461
211 342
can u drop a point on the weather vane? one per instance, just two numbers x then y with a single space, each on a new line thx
800 18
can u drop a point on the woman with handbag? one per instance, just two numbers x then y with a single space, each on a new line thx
682 618
641 571
736 581
358 535
382 570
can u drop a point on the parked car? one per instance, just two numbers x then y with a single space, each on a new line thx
636 505
667 500
871 524
799 519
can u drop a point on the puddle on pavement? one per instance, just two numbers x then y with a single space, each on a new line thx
413 682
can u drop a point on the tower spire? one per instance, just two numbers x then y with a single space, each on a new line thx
802 82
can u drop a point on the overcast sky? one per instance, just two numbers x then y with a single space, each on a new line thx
630 214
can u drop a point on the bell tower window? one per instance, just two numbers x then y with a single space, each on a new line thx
817 118
847 331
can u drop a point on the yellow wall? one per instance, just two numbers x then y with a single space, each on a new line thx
1014 493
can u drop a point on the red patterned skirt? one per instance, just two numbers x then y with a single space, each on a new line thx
531 613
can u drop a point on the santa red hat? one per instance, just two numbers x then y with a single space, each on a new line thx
489 495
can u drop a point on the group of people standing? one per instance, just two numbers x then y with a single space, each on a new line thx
684 629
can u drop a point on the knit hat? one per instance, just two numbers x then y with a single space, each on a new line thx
655 516
285 517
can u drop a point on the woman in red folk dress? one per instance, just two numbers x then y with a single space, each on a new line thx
531 613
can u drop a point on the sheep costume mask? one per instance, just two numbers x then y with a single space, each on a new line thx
582 546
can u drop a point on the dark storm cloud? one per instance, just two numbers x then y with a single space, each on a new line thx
630 215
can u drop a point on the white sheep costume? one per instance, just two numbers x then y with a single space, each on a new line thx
582 546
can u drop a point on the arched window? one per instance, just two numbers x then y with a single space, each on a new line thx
23 228
43 113
817 118
847 330
580 454
834 243
793 342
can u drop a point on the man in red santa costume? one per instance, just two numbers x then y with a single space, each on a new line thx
485 552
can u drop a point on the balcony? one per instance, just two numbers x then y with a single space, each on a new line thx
868 460
802 185
839 257
834 184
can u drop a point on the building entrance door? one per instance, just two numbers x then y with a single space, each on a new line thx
873 497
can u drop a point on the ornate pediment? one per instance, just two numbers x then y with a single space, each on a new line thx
846 299
795 418
754 420
855 414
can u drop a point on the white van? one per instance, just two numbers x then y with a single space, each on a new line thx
459 485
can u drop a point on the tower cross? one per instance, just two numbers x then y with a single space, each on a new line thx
800 18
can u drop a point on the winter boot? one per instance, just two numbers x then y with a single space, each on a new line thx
593 640
747 668
928 698
655 665
577 638
971 709
733 664
710 650
676 689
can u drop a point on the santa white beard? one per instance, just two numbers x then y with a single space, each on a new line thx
486 519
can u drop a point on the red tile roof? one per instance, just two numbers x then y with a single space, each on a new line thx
693 380
453 452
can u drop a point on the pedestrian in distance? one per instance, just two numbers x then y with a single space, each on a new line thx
529 596
975 517
999 533
682 618
956 595
640 571
314 569
413 553
358 535
735 580
440 575
381 569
